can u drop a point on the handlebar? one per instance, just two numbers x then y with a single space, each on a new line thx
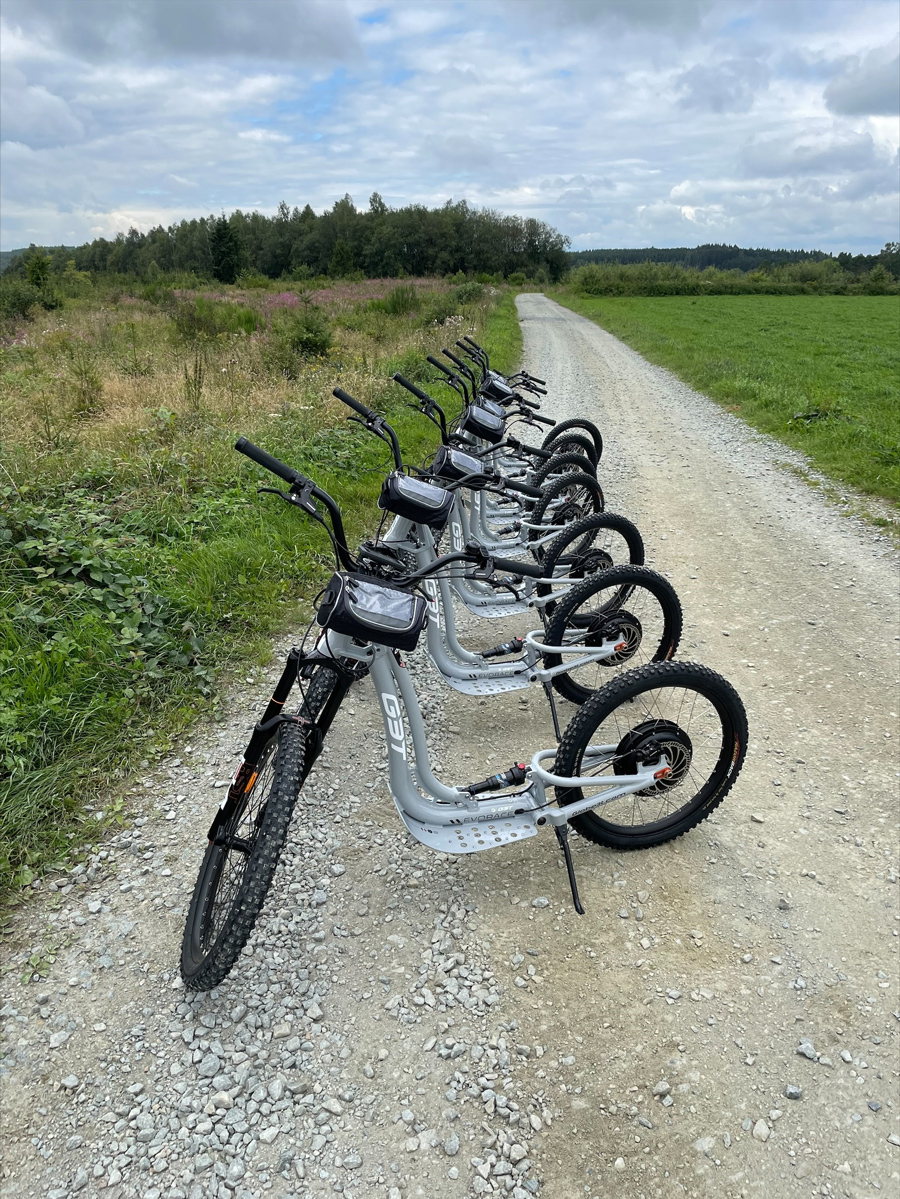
416 391
354 404
274 465
299 485
440 365
374 423
512 566
533 493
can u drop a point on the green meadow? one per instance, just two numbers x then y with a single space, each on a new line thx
821 373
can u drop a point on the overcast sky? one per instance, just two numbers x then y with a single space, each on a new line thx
621 122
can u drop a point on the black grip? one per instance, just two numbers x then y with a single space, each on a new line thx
535 379
512 566
440 365
354 404
534 493
472 342
417 391
274 465
447 354
529 403
537 451
542 420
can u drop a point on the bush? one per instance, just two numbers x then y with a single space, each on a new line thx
17 298
399 302
252 280
305 330
208 318
296 334
468 293
517 278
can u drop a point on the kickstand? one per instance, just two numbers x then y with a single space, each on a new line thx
548 687
562 836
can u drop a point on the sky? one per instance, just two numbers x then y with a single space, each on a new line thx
623 123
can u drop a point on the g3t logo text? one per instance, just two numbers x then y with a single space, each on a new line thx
394 723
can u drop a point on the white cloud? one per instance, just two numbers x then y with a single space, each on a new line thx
263 135
620 122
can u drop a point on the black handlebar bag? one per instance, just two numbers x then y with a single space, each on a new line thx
453 465
415 500
496 389
370 610
478 422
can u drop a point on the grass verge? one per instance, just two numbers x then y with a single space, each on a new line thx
821 373
139 565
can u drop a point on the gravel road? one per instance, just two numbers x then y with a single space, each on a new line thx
722 1022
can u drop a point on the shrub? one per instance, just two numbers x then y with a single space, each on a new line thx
252 279
17 298
517 278
297 333
208 318
305 330
469 292
400 301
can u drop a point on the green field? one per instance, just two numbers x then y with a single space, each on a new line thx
822 373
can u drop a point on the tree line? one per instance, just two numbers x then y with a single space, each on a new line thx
809 276
737 258
344 240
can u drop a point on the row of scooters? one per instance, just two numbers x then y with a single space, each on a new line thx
504 529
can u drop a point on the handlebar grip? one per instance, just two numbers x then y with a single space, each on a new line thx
529 403
533 493
462 366
535 379
354 404
274 465
529 570
537 451
542 420
417 391
472 342
440 365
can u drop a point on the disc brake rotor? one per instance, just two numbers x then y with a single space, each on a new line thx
624 628
645 745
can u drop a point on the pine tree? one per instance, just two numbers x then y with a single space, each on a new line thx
341 260
224 251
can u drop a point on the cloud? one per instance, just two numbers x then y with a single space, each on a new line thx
32 115
728 87
867 86
652 14
277 30
263 135
623 123
830 155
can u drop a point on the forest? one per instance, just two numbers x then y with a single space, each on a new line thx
299 244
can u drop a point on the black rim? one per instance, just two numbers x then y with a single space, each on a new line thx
229 857
703 722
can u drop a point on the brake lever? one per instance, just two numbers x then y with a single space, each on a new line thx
302 498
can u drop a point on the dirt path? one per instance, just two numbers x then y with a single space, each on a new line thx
413 1026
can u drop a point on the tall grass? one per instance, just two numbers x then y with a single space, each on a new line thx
138 563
